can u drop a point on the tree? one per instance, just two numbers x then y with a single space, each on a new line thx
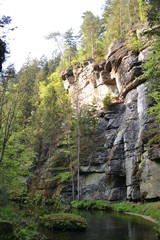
68 142
90 32
153 15
4 22
15 170
121 16
28 91
50 114
55 36
16 157
70 45
54 62
8 104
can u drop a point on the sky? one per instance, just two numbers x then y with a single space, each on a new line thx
35 19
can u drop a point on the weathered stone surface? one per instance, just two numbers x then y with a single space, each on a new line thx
119 73
117 194
154 152
121 165
150 178
92 185
67 73
125 130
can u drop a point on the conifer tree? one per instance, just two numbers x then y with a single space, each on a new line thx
90 31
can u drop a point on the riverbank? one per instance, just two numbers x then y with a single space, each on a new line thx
142 216
149 211
24 219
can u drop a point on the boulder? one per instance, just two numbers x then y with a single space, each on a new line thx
63 222
6 228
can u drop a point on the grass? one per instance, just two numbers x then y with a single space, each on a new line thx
147 209
61 177
91 204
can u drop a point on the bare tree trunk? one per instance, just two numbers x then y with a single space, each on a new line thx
59 45
120 11
72 174
129 13
78 142
3 149
8 129
92 45
78 159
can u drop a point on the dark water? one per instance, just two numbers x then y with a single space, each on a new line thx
109 226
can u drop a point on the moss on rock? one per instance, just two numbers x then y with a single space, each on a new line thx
64 221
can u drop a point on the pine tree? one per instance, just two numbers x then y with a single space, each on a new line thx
70 46
90 31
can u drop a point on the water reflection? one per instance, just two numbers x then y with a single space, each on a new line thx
109 226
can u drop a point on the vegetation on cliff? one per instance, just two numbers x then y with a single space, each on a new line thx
152 66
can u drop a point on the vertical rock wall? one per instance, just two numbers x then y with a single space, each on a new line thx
122 164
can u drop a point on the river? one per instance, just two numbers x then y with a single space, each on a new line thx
108 226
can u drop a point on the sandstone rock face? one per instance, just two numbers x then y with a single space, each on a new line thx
90 82
122 164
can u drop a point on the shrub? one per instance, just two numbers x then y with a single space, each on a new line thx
108 100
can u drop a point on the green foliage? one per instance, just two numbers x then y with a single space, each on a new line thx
88 120
70 46
56 204
152 67
51 111
80 56
135 42
107 101
15 169
142 13
153 16
28 90
91 204
118 18
61 177
25 228
147 209
5 21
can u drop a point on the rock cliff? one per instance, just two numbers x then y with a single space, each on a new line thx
122 164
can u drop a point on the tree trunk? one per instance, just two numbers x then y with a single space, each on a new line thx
72 174
78 142
3 149
120 11
78 159
92 45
